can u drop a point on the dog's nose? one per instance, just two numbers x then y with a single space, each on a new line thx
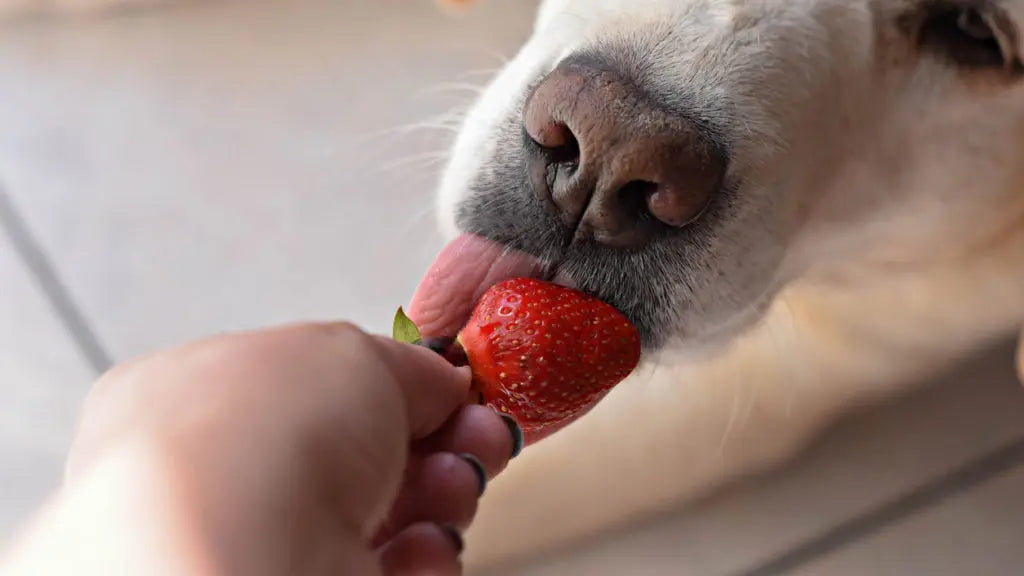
610 160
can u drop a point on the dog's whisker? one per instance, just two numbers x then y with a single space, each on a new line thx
448 121
487 72
453 87
425 161
501 59
415 221
730 424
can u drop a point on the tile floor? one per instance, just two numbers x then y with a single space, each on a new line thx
208 167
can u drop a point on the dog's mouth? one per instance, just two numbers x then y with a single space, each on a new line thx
461 273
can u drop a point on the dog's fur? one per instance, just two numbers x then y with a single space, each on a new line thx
871 231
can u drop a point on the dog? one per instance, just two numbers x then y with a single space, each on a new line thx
804 206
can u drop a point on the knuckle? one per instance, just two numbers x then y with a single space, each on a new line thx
339 339
305 337
340 334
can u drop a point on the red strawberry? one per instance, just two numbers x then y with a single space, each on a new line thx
546 354
543 353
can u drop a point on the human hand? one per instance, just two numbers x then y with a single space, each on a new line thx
314 449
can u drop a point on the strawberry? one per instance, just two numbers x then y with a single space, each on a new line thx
542 353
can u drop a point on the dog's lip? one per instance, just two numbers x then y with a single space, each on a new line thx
461 273
559 276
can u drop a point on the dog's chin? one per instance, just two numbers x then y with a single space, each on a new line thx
563 278
700 345
694 349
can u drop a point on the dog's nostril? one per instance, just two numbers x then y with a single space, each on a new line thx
549 133
633 197
555 139
673 208
609 160
665 204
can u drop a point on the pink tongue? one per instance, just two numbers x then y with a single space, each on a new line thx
462 272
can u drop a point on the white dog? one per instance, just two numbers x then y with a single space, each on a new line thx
803 205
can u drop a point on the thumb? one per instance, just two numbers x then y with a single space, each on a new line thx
431 387
393 393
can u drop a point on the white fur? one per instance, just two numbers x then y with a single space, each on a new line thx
892 192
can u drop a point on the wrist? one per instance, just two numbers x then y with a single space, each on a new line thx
124 514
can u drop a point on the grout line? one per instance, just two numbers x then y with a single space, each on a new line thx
968 476
49 282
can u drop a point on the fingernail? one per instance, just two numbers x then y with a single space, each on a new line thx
438 345
481 473
455 536
446 348
517 434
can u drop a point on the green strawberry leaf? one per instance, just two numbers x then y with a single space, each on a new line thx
404 329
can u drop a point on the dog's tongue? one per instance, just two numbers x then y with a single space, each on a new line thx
462 272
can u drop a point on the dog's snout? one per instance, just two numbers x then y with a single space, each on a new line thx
611 161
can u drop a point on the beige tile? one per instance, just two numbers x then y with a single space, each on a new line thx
871 459
974 533
226 165
42 381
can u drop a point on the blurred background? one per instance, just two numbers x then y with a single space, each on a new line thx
170 173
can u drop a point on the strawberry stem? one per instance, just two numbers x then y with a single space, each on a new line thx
404 330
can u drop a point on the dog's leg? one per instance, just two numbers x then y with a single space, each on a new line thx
674 432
